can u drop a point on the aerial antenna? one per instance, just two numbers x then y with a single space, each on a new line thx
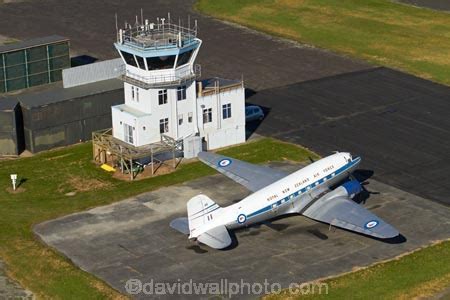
142 16
168 17
117 26
195 26
189 21
137 22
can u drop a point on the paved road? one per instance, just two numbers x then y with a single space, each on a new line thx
132 239
398 123
443 5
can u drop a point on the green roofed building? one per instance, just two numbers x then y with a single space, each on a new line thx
33 62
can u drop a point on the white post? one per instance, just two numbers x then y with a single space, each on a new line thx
14 180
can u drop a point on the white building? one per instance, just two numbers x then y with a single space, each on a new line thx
163 96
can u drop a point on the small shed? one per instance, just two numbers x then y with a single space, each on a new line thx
11 128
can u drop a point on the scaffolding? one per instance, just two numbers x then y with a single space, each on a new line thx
109 150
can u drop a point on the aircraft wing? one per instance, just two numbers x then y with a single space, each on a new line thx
253 177
345 213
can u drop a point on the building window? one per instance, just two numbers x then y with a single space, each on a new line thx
140 61
132 92
180 119
184 58
160 62
226 111
137 94
164 125
128 133
190 117
162 97
129 58
181 92
207 115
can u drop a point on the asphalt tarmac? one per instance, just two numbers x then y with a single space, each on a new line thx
399 124
227 51
443 5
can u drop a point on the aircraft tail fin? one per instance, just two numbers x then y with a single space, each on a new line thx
201 210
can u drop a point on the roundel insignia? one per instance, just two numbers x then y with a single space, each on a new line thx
371 224
241 218
224 162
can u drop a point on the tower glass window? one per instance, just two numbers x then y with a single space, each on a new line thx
181 92
184 57
160 62
140 61
226 111
129 58
164 125
162 97
207 115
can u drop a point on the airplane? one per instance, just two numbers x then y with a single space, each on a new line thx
306 192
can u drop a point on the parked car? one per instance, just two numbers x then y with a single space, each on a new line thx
253 113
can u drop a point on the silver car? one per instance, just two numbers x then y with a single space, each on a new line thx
253 113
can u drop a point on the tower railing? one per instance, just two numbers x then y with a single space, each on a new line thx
161 35
161 80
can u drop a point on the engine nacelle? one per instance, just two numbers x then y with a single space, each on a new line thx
352 187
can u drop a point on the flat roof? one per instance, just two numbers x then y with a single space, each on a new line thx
222 82
31 100
32 43
8 104
130 110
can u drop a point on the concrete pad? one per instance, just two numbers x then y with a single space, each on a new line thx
9 289
132 238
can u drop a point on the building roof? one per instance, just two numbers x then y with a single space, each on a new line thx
31 100
32 43
8 104
130 110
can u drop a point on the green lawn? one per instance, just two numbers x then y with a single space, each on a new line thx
381 31
50 175
420 274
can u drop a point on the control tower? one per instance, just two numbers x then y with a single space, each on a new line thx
164 99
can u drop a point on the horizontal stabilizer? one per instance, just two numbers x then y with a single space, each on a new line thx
181 225
217 238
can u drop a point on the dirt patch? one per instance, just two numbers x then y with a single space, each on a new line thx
81 184
17 191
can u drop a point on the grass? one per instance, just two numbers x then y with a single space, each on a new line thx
383 32
47 177
417 275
